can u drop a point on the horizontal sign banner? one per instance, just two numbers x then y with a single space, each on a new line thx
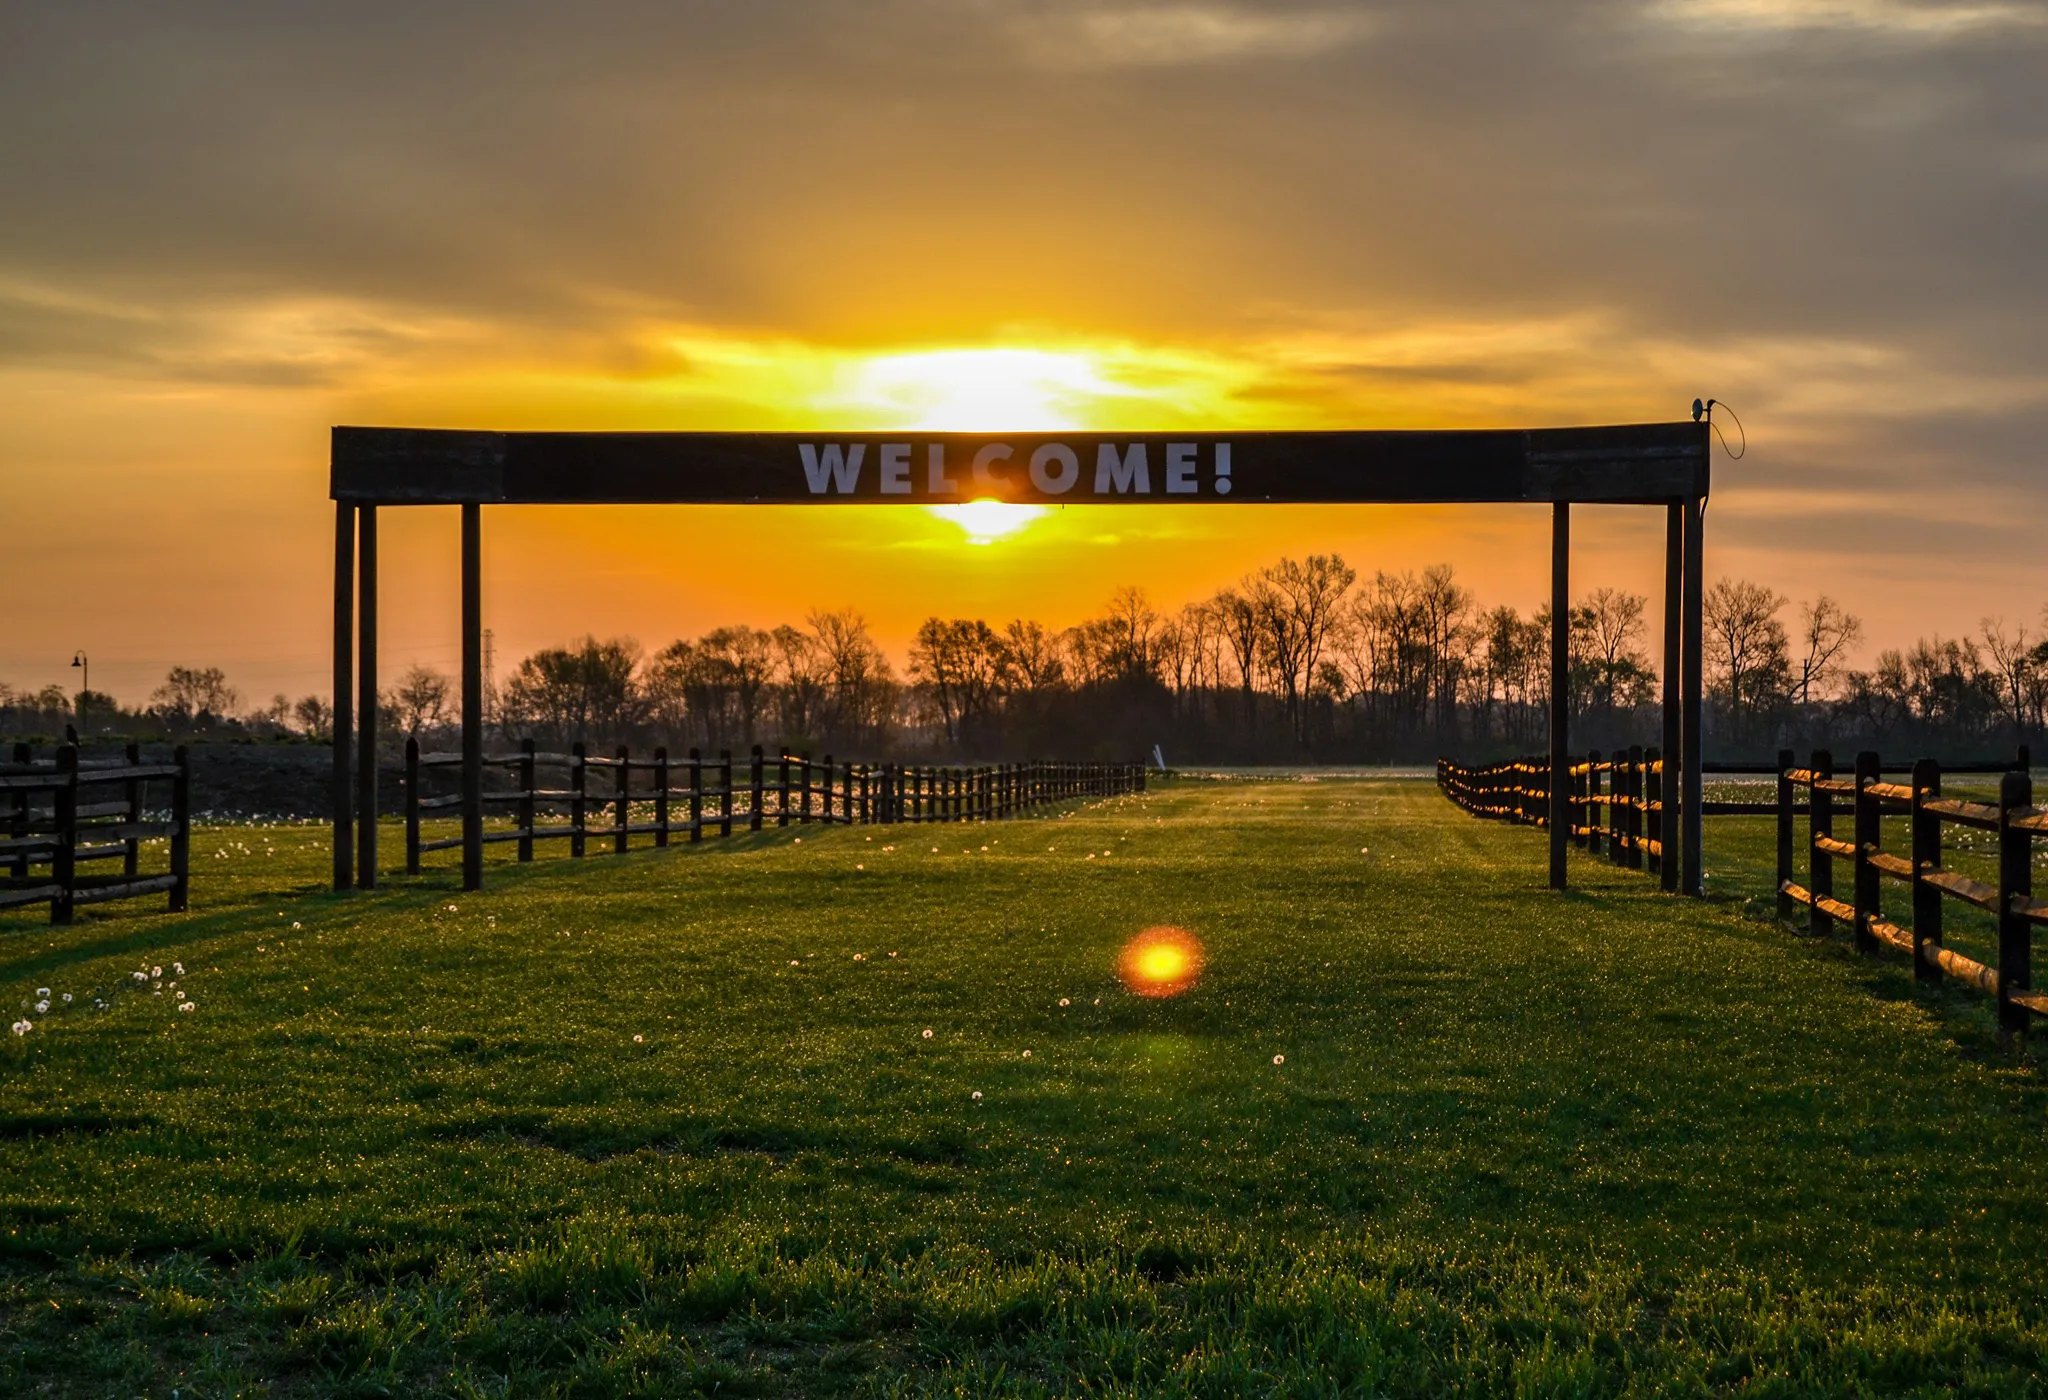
1640 462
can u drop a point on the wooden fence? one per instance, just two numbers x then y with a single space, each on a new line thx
554 796
57 817
1866 800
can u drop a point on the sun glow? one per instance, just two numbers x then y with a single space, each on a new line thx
988 390
1161 962
988 521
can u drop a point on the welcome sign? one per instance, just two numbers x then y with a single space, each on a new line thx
419 466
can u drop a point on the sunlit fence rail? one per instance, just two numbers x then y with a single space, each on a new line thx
1865 800
63 818
1614 803
585 798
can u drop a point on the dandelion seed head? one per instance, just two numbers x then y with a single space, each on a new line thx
156 972
1279 1059
795 962
927 1033
1027 1054
67 997
42 991
1065 1002
188 1006
977 1093
23 1027
42 1006
639 1040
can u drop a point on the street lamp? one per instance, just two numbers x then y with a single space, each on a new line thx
81 662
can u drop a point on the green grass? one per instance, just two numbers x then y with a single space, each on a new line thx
669 1124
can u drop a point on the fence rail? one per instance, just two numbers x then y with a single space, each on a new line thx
1866 800
57 818
583 797
1613 801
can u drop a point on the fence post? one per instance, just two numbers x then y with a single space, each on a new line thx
529 783
622 819
782 788
2015 892
18 865
1594 807
755 788
1869 834
696 795
824 796
1820 867
64 855
1635 806
1926 858
578 772
1653 803
1785 902
412 805
661 795
725 792
181 831
131 854
803 799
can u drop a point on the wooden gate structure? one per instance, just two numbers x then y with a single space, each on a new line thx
1652 464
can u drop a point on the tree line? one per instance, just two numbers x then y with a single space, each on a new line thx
1304 660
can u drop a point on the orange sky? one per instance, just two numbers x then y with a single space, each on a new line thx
229 230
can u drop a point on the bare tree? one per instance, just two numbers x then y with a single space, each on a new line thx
1746 648
1300 604
1238 619
191 693
2018 669
420 700
1031 658
1826 632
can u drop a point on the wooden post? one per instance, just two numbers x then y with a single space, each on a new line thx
181 831
622 810
1635 806
64 820
131 796
1926 859
1653 808
472 697
412 805
661 796
529 807
803 797
1595 809
1785 902
864 810
18 864
725 792
1692 878
366 692
1671 787
696 796
755 778
2015 892
782 789
1560 684
579 787
344 703
1820 876
1869 835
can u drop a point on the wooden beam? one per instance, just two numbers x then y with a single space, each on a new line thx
472 699
1560 690
366 703
1646 463
343 721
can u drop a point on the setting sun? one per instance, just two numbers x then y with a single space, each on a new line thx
984 390
988 521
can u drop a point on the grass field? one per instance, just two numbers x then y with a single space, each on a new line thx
762 1117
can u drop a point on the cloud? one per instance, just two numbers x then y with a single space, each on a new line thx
1885 17
1169 35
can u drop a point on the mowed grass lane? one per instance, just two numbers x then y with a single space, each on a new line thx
672 1122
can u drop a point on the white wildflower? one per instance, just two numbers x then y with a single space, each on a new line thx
639 1040
156 972
42 1006
927 1034
977 1093
67 998
23 1027
1027 1054
187 1006
1065 1002
794 962
42 991
1279 1059
142 977
179 968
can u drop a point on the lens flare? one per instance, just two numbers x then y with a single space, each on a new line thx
1161 962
